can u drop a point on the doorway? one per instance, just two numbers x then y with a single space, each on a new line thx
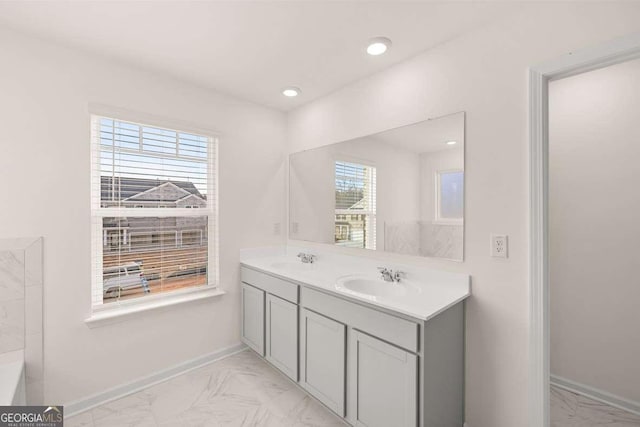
599 57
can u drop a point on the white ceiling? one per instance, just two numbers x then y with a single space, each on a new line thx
252 49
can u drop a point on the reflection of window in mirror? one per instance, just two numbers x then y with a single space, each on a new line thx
450 196
355 208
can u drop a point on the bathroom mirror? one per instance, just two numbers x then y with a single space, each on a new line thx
399 191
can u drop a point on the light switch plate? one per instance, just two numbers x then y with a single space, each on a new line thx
499 246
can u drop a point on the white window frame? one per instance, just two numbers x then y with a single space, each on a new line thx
438 219
106 313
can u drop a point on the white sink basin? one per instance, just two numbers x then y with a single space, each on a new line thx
373 288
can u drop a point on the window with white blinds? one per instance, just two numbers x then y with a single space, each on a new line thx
355 205
154 210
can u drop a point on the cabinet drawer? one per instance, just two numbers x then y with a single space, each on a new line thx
395 330
273 285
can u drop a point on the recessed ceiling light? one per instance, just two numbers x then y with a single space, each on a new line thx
291 91
378 46
451 142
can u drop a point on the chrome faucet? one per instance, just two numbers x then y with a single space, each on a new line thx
389 275
307 258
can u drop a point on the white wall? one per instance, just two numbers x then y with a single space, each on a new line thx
312 186
485 74
594 173
45 190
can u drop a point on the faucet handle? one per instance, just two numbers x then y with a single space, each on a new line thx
382 269
398 274
307 258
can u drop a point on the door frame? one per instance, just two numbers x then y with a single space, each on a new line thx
600 56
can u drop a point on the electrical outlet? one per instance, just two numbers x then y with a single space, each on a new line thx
276 228
294 227
499 246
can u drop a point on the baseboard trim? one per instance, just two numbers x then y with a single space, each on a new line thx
596 394
82 405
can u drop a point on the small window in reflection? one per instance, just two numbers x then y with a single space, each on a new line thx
450 196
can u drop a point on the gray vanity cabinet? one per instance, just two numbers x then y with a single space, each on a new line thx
323 359
270 319
282 335
253 318
371 366
383 382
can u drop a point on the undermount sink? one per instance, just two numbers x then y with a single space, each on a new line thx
292 265
372 287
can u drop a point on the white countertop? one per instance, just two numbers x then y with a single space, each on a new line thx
431 291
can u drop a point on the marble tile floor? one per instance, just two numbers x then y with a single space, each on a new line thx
241 390
573 410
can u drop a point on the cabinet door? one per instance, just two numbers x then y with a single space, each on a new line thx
323 359
282 335
383 383
253 318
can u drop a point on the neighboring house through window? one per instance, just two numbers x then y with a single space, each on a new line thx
355 205
146 180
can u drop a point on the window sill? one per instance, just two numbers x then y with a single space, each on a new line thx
121 312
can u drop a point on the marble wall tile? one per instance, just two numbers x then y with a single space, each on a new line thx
442 240
11 275
424 238
34 327
21 307
12 314
12 325
402 237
